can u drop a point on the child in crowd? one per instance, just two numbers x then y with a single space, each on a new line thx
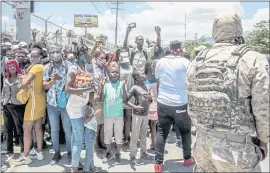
143 99
112 94
151 82
90 124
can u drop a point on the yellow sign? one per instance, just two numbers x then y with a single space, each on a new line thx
85 20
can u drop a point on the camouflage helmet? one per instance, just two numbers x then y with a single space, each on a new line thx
226 27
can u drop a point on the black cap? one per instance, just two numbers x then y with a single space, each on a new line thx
174 45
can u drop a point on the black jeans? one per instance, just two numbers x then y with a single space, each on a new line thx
166 116
13 118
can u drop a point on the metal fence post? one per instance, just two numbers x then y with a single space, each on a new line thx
46 26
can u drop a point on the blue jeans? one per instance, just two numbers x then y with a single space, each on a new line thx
77 140
90 137
54 114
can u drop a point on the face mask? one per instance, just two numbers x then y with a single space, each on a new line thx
56 57
101 63
35 60
83 59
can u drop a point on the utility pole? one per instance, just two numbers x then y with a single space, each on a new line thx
116 20
195 38
23 20
5 26
185 26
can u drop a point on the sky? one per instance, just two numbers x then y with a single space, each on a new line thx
170 16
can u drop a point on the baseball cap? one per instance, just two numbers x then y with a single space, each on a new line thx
174 45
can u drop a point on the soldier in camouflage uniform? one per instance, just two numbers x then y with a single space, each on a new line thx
228 101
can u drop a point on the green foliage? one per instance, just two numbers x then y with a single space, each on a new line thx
258 39
191 45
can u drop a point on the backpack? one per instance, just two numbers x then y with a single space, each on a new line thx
133 54
214 97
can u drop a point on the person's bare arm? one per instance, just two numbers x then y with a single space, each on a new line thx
69 85
27 81
126 38
158 30
127 96
48 84
101 93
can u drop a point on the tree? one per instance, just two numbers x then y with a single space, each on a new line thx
191 45
258 39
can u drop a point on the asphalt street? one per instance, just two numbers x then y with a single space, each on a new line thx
173 161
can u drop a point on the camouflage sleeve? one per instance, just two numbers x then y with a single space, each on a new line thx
260 97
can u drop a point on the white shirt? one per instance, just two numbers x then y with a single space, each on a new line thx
75 105
171 72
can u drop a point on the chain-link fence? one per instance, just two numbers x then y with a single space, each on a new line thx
47 31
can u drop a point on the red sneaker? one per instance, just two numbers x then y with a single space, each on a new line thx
158 168
189 162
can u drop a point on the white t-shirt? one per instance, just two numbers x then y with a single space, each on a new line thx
171 72
75 105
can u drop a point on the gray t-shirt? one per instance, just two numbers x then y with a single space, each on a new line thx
138 92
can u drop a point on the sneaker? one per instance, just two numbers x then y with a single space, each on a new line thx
132 160
33 152
38 156
107 158
146 156
189 162
95 169
23 161
117 158
158 168
4 168
55 159
80 167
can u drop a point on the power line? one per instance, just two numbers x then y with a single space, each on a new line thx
100 7
108 5
116 20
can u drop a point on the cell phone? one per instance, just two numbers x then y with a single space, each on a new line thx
132 25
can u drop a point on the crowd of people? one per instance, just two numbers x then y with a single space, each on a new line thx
94 98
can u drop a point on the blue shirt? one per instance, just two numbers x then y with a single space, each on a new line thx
171 72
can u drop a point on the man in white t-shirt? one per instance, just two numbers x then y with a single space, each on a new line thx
172 103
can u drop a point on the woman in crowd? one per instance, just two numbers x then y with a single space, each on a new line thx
79 98
35 107
12 108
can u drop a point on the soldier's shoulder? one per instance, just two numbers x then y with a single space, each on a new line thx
253 57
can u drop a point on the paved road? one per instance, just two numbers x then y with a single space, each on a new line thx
173 163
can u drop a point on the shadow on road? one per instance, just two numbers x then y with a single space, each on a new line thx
176 165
